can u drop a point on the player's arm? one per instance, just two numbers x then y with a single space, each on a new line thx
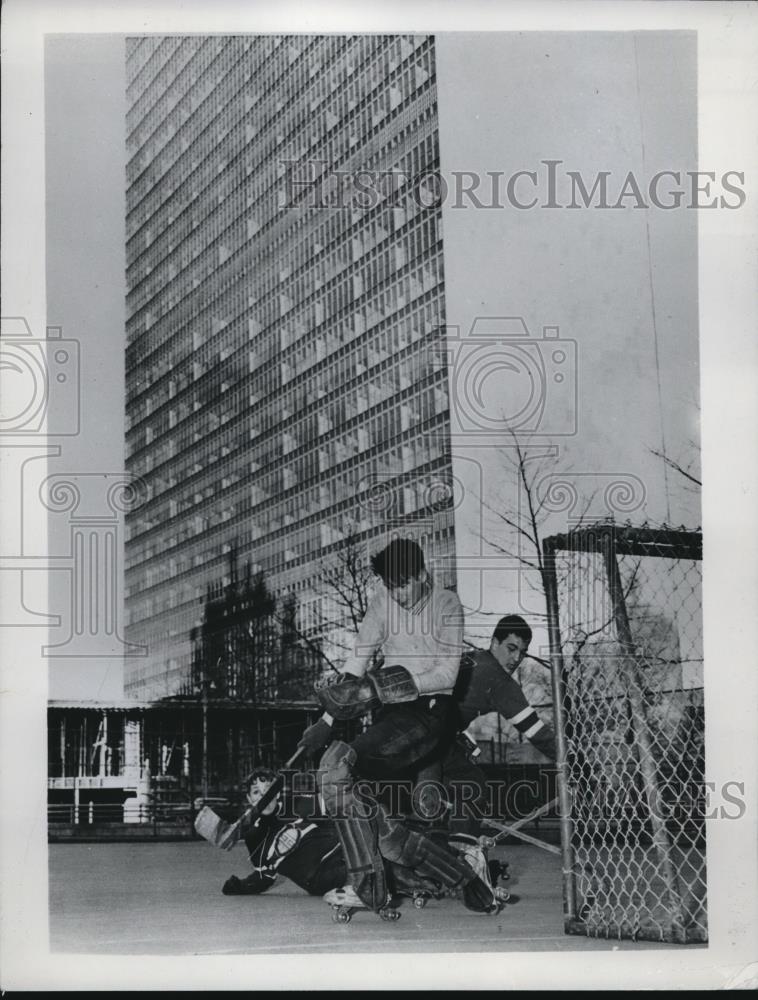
371 635
447 631
259 881
508 698
263 875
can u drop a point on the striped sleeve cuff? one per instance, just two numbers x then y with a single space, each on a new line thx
527 722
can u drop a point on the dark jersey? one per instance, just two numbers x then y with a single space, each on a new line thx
483 686
306 851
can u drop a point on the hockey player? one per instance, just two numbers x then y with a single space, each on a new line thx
417 630
305 851
486 684
309 853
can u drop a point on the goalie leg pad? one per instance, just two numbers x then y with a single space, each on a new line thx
335 777
469 848
476 893
408 882
394 684
356 830
365 866
428 860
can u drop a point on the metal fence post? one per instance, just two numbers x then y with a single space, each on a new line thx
557 675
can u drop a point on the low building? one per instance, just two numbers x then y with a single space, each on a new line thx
138 762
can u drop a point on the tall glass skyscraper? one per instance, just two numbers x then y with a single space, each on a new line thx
285 314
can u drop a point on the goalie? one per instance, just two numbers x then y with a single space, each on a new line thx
416 627
309 853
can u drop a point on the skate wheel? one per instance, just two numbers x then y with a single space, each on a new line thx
341 917
389 914
420 902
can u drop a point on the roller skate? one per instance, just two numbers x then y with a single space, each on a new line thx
407 885
345 902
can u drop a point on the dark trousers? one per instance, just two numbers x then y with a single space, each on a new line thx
405 737
331 874
464 782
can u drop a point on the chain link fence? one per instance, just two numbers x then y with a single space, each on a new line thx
625 621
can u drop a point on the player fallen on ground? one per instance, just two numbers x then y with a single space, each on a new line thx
486 684
416 629
309 853
306 852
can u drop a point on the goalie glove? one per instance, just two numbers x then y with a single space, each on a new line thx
394 684
346 696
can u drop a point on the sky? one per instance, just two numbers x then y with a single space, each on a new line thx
85 94
617 287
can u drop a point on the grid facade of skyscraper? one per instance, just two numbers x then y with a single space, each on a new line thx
284 384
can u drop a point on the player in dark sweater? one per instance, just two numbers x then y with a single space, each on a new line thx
485 684
306 851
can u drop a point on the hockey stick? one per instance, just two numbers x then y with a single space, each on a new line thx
514 829
225 835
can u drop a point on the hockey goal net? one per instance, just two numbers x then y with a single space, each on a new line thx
625 624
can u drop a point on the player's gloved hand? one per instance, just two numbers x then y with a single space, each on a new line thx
317 736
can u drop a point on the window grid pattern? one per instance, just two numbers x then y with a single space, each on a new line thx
281 359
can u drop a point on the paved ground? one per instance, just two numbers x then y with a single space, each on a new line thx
165 899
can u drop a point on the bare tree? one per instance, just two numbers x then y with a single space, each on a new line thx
678 467
524 519
688 468
346 581
294 636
